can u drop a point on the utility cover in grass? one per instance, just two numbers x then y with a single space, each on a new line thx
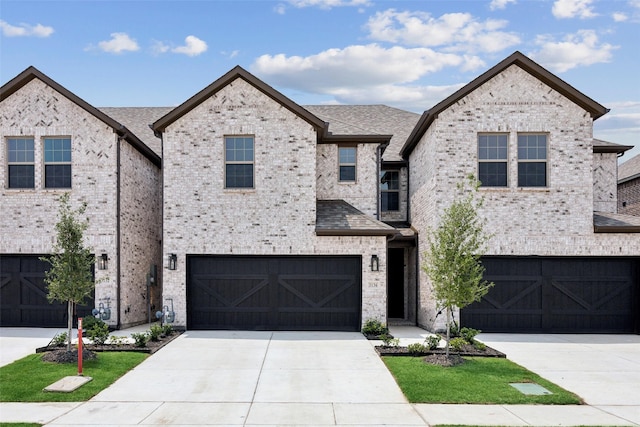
530 388
68 384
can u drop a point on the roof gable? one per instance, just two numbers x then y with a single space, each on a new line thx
31 73
517 58
237 72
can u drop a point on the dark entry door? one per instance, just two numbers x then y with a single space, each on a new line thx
23 294
274 293
395 283
570 295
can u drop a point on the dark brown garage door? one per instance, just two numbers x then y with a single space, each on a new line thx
274 293
566 295
23 295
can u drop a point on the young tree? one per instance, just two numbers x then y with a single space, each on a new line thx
70 278
452 260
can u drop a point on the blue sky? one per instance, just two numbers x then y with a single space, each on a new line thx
407 54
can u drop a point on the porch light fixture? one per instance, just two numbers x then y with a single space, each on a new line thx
375 263
103 262
173 261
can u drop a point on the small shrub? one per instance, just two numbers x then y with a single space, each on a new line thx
89 321
457 343
432 342
374 327
416 348
469 334
99 333
167 329
389 341
155 332
140 338
454 330
479 345
59 339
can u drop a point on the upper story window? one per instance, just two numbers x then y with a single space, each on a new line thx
57 162
389 191
532 160
239 161
347 163
492 160
20 155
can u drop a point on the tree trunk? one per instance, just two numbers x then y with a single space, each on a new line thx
448 332
69 323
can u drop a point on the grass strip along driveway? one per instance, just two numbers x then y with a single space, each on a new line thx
25 379
478 380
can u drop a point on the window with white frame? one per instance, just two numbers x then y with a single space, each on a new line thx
347 164
389 191
492 160
20 156
57 162
532 160
239 161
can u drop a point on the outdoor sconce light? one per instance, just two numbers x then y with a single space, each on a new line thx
375 263
103 262
173 261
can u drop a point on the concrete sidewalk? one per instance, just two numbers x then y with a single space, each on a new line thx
307 378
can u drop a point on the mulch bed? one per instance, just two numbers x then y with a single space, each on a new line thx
59 354
467 350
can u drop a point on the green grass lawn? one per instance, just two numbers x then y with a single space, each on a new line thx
25 379
478 380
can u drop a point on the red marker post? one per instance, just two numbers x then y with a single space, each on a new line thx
80 346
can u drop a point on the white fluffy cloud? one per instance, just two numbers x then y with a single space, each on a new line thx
193 46
119 42
500 4
619 16
453 32
579 49
25 30
564 9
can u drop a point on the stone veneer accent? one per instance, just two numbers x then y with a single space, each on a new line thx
277 217
28 222
553 221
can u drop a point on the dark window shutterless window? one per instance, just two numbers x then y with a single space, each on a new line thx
57 162
492 160
532 160
389 191
239 161
347 164
20 162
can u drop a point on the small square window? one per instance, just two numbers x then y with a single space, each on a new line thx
532 160
347 163
492 160
57 162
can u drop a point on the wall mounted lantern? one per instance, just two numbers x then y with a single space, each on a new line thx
103 262
173 261
375 263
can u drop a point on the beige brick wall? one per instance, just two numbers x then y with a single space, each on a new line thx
605 182
362 193
277 217
629 197
553 221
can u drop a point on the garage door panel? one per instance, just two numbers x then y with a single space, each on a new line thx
276 293
569 295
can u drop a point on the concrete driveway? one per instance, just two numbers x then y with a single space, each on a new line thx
16 343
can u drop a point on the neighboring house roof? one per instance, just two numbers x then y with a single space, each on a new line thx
600 146
237 72
594 108
139 120
629 170
18 82
605 222
339 218
369 120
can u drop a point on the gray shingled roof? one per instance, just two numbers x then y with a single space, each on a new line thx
137 120
629 169
339 218
369 120
605 222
